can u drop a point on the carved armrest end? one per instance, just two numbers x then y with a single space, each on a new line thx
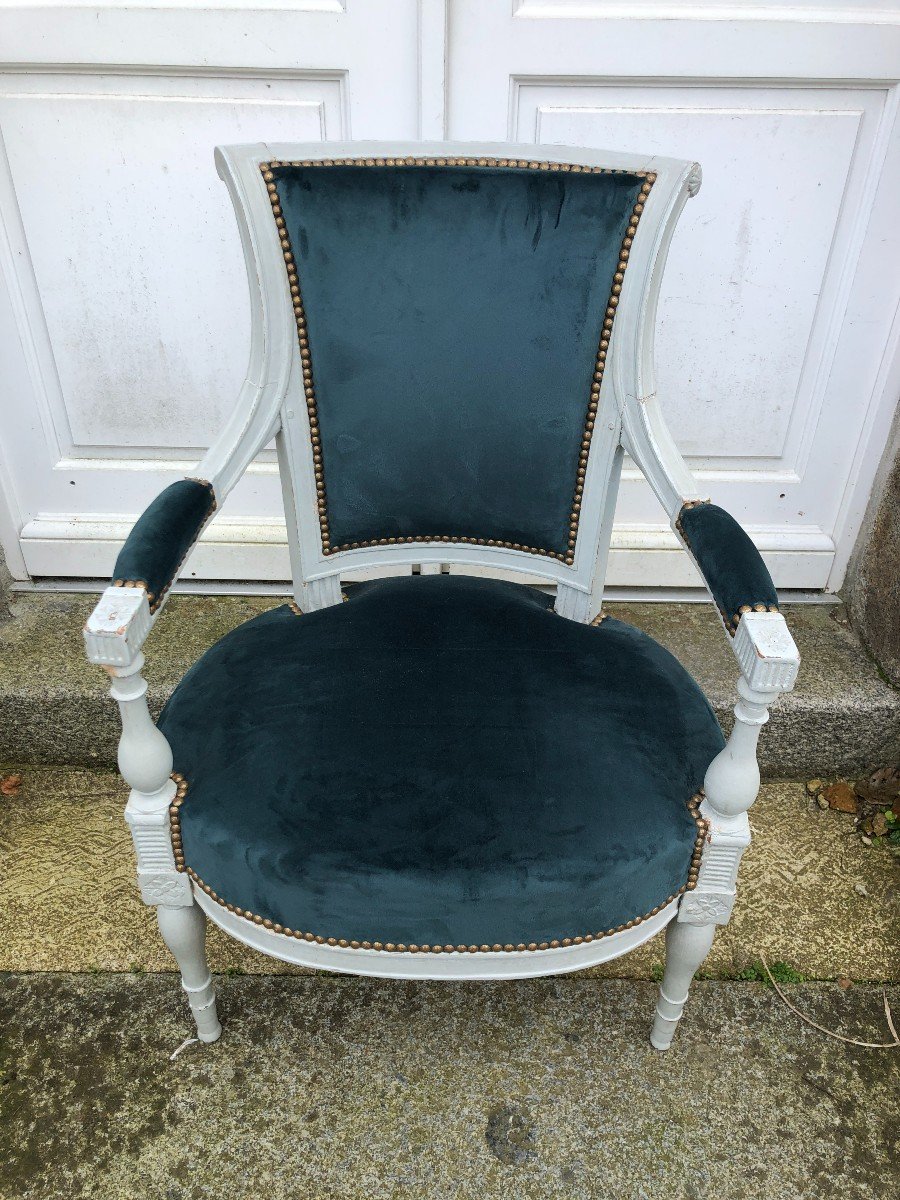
766 652
118 627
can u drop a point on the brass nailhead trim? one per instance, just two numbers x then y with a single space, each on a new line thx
298 611
568 557
693 807
156 600
731 622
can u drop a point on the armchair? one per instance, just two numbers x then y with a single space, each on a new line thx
436 775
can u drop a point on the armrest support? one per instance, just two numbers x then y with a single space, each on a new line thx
162 537
733 568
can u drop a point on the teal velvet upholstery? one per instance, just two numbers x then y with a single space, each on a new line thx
731 565
162 536
440 760
454 317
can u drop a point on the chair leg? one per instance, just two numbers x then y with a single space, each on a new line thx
184 931
686 947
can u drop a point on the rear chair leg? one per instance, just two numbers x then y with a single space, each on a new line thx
184 932
686 948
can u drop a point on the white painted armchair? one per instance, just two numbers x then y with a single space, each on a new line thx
437 775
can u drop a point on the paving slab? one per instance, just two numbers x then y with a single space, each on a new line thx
377 1089
810 894
54 707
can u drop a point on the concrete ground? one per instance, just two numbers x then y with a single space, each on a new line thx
349 1088
327 1087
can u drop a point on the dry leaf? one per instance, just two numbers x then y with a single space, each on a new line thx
841 797
11 784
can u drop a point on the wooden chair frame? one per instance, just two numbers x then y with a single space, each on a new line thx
270 405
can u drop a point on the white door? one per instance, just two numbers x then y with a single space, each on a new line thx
123 317
777 351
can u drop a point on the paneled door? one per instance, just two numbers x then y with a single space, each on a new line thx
123 311
123 315
777 348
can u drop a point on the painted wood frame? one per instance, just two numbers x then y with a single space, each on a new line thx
270 405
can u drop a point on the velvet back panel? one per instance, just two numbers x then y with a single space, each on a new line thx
453 317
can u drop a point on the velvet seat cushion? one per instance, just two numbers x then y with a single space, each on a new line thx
440 761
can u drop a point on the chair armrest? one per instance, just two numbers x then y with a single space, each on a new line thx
731 565
160 541
146 568
744 594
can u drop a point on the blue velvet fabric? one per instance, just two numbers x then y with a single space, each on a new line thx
454 317
163 534
731 565
440 760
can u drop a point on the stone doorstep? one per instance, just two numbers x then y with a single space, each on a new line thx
54 708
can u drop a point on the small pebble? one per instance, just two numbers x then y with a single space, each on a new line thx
822 802
860 889
866 841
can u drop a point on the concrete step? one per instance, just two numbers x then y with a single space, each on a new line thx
54 708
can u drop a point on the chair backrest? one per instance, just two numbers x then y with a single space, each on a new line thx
446 339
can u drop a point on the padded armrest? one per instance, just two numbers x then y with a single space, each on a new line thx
728 560
162 537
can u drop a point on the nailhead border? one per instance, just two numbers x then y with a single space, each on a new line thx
181 785
156 600
731 622
267 169
298 611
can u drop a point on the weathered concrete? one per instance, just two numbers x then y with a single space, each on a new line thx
873 580
843 718
358 1088
810 893
5 581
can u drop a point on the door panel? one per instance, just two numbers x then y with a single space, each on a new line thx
136 264
123 314
768 297
124 319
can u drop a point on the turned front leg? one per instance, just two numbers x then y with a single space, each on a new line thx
145 760
686 948
731 786
184 932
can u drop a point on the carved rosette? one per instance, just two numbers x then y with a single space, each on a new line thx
165 887
706 908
